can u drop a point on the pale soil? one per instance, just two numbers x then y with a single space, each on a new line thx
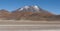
27 22
27 25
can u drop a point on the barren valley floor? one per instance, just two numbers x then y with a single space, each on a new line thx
29 25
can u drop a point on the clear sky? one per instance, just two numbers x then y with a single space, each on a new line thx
49 5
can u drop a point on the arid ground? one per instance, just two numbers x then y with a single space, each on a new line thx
24 25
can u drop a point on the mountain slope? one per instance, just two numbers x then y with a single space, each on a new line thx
30 12
34 13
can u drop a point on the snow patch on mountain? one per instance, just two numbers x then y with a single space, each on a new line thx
26 7
21 9
36 8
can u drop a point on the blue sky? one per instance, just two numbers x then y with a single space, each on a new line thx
49 5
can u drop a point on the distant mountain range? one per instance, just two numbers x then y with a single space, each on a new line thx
34 13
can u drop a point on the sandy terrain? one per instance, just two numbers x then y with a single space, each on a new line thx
12 25
27 22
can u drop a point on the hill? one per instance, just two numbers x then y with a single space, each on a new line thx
34 13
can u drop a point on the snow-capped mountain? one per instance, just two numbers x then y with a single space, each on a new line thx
26 12
30 9
33 9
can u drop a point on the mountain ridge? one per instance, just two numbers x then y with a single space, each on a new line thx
28 13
